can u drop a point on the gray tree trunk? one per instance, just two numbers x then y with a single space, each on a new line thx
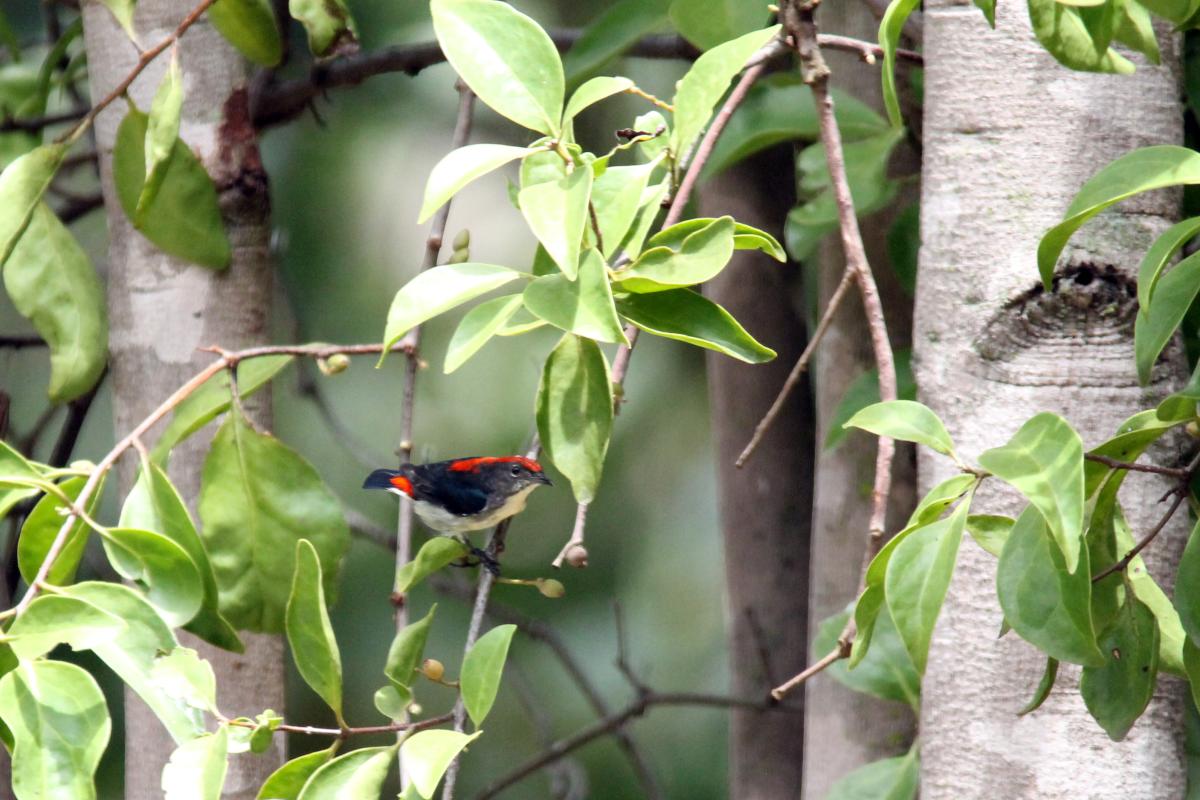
1010 136
161 309
846 729
764 506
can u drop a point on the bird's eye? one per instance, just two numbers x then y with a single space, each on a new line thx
515 470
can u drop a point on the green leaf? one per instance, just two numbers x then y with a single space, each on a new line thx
461 166
481 671
161 133
707 23
16 474
690 317
907 421
990 531
866 172
1181 406
427 755
309 632
331 29
583 306
286 782
864 391
702 87
1118 692
651 207
172 581
358 774
903 243
1178 11
610 34
1187 586
1191 661
1063 33
479 325
250 26
60 727
184 218
575 411
1170 630
392 701
701 256
132 651
1044 462
557 213
988 7
22 184
183 675
885 779
257 499
745 237
211 400
887 671
154 504
1133 173
590 93
1040 695
1157 322
616 196
939 498
51 282
890 28
433 555
51 620
1047 605
506 59
122 10
406 650
197 768
918 576
1156 258
440 289
1134 28
41 528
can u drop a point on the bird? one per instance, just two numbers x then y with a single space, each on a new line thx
461 495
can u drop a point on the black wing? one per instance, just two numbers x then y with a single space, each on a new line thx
460 493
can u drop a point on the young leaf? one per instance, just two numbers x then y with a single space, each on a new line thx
583 306
440 289
1118 692
1170 630
309 632
172 581
690 317
506 59
575 411
1133 27
481 671
1187 586
990 531
890 27
407 648
197 768
40 529
392 701
122 10
1138 171
428 754
918 576
286 782
51 281
701 256
433 555
162 132
1040 695
590 93
250 26
619 25
60 727
184 218
885 779
331 29
616 196
22 184
745 237
51 620
1044 461
16 473
905 420
182 674
707 23
1157 322
461 166
479 325
358 774
887 671
939 498
1178 11
1063 32
557 212
257 499
1047 605
864 391
648 211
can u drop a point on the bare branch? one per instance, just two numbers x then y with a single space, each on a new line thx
784 689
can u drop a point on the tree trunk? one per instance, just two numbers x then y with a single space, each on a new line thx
845 729
765 507
162 309
1009 137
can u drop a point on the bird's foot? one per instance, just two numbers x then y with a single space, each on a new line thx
487 560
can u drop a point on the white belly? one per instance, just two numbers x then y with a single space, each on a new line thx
443 521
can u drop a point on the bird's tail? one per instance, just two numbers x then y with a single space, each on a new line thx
381 479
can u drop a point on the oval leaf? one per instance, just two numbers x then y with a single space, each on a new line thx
1118 692
358 774
481 671
887 672
478 326
1063 32
885 779
591 92
197 768
309 632
745 237
22 184
161 133
51 620
331 29
286 782
583 306
433 555
616 197
906 420
250 26
690 317
461 166
406 650
40 529
1156 258
557 213
575 411
1187 586
702 256
171 578
427 755
1157 322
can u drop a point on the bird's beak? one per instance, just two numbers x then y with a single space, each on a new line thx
541 476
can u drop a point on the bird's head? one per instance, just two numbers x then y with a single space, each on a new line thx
504 475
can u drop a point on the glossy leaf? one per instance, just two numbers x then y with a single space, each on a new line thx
184 218
358 774
918 577
51 620
1171 635
1047 605
250 26
461 166
331 29
1157 322
171 579
583 306
616 196
701 256
16 473
905 420
1133 173
440 289
1178 11
479 325
22 184
40 529
1044 687
1181 406
286 782
392 701
887 671
481 671
309 632
162 132
433 555
592 92
690 317
707 23
257 499
1187 586
183 675
1118 692
1191 661
406 651
196 770
702 87
866 172
1063 33
890 28
427 754
1044 461
617 27
864 391
648 212
1134 27
575 412
939 498
886 779
557 213
506 59
1155 261
988 7
60 727
990 531
52 283
745 237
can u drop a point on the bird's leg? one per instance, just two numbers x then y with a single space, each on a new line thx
483 557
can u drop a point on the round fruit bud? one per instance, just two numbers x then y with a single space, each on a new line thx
551 588
459 256
415 709
1193 429
338 362
577 556
462 241
433 669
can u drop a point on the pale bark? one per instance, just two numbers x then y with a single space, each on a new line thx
1009 137
162 309
765 505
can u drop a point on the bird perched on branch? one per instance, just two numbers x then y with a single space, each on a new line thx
464 494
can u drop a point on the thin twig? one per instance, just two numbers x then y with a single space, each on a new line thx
36 124
784 689
1112 463
576 539
346 733
19 342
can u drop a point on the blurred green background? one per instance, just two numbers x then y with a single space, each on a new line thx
345 191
